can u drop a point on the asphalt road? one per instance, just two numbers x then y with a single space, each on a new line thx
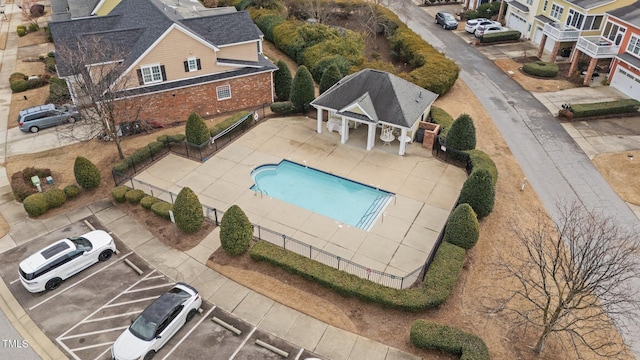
553 163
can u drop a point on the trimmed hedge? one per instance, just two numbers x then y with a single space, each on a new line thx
162 209
429 335
236 231
480 160
147 201
119 193
187 211
479 192
511 35
439 282
134 196
142 154
72 191
443 119
55 198
283 107
462 134
167 139
462 227
605 108
220 127
35 204
541 68
267 22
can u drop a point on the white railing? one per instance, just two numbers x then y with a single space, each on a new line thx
597 47
559 33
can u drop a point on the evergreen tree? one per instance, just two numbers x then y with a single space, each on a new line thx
462 227
282 79
196 130
302 90
187 211
462 134
86 173
478 191
329 78
236 231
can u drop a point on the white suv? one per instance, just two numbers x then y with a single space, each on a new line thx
47 268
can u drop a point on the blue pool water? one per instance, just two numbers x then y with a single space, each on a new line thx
335 197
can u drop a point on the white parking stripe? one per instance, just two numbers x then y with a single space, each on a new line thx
149 288
130 302
189 332
112 316
14 281
92 346
94 332
79 282
102 353
299 354
241 345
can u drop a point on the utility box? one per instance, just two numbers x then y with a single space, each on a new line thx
36 182
50 180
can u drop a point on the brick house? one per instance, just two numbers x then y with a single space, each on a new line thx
174 60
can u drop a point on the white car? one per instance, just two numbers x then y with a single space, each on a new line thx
157 324
473 24
47 268
490 29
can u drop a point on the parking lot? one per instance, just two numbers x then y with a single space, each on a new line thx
87 313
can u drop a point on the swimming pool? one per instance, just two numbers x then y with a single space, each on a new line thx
347 201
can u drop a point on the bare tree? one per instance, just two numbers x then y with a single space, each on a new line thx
369 18
574 276
321 10
97 86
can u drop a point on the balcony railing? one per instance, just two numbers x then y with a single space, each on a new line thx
597 47
558 33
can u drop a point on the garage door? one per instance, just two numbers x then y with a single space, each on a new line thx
516 22
627 82
537 37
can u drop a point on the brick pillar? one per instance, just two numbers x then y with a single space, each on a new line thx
574 63
541 47
554 51
590 70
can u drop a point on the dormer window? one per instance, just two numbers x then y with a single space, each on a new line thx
192 64
152 74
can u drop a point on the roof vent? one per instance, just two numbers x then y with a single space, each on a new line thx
164 6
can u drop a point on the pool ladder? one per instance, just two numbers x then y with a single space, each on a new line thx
372 212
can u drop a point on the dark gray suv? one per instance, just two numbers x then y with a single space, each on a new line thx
43 116
447 20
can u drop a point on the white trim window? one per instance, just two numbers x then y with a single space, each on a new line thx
556 11
529 2
593 22
634 45
575 19
151 74
224 92
192 63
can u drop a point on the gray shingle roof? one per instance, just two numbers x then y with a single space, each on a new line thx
589 4
67 9
385 97
136 24
629 59
629 14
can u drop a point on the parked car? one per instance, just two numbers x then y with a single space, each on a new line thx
447 20
43 116
157 323
473 24
489 29
47 268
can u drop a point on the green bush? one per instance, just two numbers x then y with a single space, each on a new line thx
471 14
236 231
267 22
17 76
175 138
37 82
511 35
462 227
19 86
33 27
134 196
283 107
58 91
162 209
196 130
50 64
429 335
72 191
302 89
441 118
187 211
21 31
541 68
148 201
438 285
330 77
479 192
480 160
343 64
226 123
605 108
349 45
462 134
144 153
119 193
35 204
282 81
86 173
55 198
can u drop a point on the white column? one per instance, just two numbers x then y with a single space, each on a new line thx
345 131
403 144
371 136
319 125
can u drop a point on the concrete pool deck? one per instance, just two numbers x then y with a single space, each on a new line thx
400 240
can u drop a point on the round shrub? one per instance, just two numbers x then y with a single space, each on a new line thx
35 204
479 192
187 211
119 193
55 198
283 108
17 76
147 201
162 209
480 159
134 196
541 68
21 31
72 191
462 227
19 86
462 134
236 231
196 130
33 27
86 173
